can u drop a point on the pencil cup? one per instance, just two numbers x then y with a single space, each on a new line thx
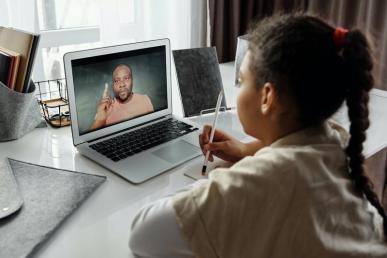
19 112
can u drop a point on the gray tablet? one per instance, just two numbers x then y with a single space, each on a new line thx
199 79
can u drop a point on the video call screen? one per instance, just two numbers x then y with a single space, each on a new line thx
114 88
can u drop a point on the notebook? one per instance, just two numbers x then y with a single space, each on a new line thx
13 67
25 44
121 112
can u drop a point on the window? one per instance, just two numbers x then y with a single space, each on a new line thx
62 14
69 25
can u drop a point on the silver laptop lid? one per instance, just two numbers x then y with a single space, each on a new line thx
114 88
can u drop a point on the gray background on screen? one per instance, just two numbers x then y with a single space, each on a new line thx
199 79
149 77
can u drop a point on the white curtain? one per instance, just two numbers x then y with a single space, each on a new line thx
184 22
18 14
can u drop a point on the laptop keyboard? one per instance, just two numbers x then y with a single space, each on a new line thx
128 144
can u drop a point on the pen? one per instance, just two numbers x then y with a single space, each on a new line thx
218 103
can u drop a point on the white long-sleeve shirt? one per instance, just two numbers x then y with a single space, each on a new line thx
155 232
291 199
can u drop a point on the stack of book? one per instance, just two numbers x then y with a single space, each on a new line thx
17 54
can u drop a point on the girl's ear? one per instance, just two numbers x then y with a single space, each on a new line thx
267 98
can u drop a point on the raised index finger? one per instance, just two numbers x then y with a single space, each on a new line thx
105 91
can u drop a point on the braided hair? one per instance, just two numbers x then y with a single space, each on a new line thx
303 58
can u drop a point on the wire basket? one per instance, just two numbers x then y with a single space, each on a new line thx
53 99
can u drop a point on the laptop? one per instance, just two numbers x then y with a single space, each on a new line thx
121 114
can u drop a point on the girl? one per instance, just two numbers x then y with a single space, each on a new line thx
301 189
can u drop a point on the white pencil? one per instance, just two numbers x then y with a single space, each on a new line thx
218 104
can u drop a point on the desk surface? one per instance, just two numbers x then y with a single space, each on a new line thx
101 226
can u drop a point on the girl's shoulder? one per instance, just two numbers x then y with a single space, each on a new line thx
267 165
289 164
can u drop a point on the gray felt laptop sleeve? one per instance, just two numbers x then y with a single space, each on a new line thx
50 195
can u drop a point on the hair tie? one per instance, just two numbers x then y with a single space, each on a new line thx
339 37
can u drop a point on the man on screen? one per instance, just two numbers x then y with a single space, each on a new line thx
125 103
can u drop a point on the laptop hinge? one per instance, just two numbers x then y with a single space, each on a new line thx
129 128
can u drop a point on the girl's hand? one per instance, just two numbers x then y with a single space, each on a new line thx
223 146
226 147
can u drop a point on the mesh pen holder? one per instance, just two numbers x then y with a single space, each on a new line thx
19 112
53 100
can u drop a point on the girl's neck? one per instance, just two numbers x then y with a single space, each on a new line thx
279 129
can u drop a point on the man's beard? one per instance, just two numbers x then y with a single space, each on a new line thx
123 95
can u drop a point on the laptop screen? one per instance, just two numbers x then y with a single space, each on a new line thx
114 88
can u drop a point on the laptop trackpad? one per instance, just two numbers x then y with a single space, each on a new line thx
176 152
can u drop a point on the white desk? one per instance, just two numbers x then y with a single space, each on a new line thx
100 227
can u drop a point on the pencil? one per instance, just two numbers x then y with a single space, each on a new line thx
218 104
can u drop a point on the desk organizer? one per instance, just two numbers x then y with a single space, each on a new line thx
52 96
19 112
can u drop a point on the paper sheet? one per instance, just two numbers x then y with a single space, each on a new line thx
194 169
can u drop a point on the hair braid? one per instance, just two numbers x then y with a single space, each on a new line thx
294 50
358 61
